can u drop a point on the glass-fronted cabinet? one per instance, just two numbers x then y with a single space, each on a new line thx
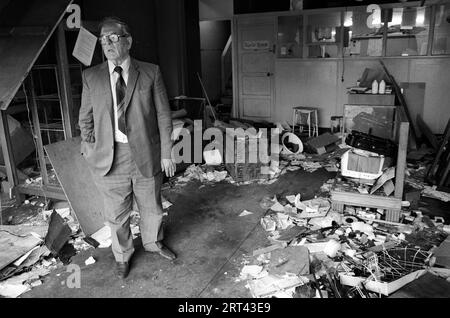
386 30
364 31
408 31
290 36
441 39
323 32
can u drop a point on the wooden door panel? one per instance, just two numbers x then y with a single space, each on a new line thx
257 62
256 107
256 86
256 65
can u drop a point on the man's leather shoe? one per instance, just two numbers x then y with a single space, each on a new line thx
164 252
122 269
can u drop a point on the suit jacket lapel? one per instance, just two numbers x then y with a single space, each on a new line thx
132 80
106 87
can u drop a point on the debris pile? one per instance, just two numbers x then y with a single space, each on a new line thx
316 252
45 242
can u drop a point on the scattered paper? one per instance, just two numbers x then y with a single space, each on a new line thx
212 157
103 237
245 212
89 261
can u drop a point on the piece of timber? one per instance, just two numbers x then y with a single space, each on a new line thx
78 184
64 83
403 103
366 200
432 139
401 160
52 192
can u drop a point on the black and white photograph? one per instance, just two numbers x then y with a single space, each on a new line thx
225 156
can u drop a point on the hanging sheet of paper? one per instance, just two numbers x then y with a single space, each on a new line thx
85 46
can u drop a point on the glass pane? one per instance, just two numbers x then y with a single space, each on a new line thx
441 43
362 36
290 36
323 34
408 30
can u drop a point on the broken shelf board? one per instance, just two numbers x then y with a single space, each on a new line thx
16 240
78 183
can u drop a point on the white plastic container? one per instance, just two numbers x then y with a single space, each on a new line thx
375 87
382 87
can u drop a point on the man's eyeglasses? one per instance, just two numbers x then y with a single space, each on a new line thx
114 38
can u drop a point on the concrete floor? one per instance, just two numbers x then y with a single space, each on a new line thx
204 229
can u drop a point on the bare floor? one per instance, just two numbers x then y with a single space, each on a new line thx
206 232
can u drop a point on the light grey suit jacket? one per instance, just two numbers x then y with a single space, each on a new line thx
148 118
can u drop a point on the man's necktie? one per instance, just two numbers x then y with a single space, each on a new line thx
120 96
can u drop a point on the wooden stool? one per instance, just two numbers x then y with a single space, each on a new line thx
312 120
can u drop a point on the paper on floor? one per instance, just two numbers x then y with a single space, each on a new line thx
245 212
103 237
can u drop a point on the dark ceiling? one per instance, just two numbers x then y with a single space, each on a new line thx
255 6
3 3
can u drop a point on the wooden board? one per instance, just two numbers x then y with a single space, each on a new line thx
25 28
415 98
366 200
15 241
403 104
78 183
426 131
371 99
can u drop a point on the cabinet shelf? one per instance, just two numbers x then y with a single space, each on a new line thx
321 43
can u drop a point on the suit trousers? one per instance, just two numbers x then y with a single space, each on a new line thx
121 185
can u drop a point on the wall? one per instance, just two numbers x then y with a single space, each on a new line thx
169 25
257 6
215 9
165 32
179 46
213 38
139 14
318 84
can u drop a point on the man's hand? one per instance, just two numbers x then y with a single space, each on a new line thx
168 166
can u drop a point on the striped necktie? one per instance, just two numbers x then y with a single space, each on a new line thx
120 96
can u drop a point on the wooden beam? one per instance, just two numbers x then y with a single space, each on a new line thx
401 160
8 155
52 192
366 200
65 87
37 130
403 103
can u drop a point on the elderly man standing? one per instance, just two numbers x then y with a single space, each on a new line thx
126 128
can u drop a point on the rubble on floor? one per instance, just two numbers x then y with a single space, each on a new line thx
354 253
351 254
46 241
